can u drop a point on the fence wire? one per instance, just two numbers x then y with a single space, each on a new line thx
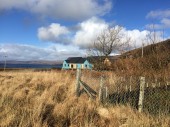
125 90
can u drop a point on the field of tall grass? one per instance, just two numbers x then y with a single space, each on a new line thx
47 99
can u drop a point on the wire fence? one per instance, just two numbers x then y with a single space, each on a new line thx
110 88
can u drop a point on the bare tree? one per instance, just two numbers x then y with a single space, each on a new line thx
156 50
151 36
154 36
108 41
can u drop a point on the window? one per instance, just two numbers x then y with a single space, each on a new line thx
85 65
65 65
71 65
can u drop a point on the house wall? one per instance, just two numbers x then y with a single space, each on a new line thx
73 66
65 65
87 65
79 66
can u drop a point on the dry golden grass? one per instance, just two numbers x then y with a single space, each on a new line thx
42 99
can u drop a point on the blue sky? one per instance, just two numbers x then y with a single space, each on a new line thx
57 29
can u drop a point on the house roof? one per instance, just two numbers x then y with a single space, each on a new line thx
102 58
76 60
81 60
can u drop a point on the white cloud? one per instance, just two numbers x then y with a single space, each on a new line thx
163 17
10 4
52 33
159 14
27 52
60 52
93 27
90 29
24 52
136 36
64 9
154 26
87 33
163 24
166 22
83 36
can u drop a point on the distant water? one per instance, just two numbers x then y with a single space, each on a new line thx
39 66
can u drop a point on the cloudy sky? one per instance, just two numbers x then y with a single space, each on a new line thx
57 29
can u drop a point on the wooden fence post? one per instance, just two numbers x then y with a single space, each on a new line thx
166 85
106 91
130 87
78 77
101 90
147 85
141 94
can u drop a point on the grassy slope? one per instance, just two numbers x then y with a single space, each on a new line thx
160 47
155 61
42 99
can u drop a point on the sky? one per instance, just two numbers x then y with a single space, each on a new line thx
58 29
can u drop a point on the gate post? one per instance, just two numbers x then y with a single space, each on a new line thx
78 77
141 94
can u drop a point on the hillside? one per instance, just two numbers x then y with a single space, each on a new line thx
153 60
158 48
